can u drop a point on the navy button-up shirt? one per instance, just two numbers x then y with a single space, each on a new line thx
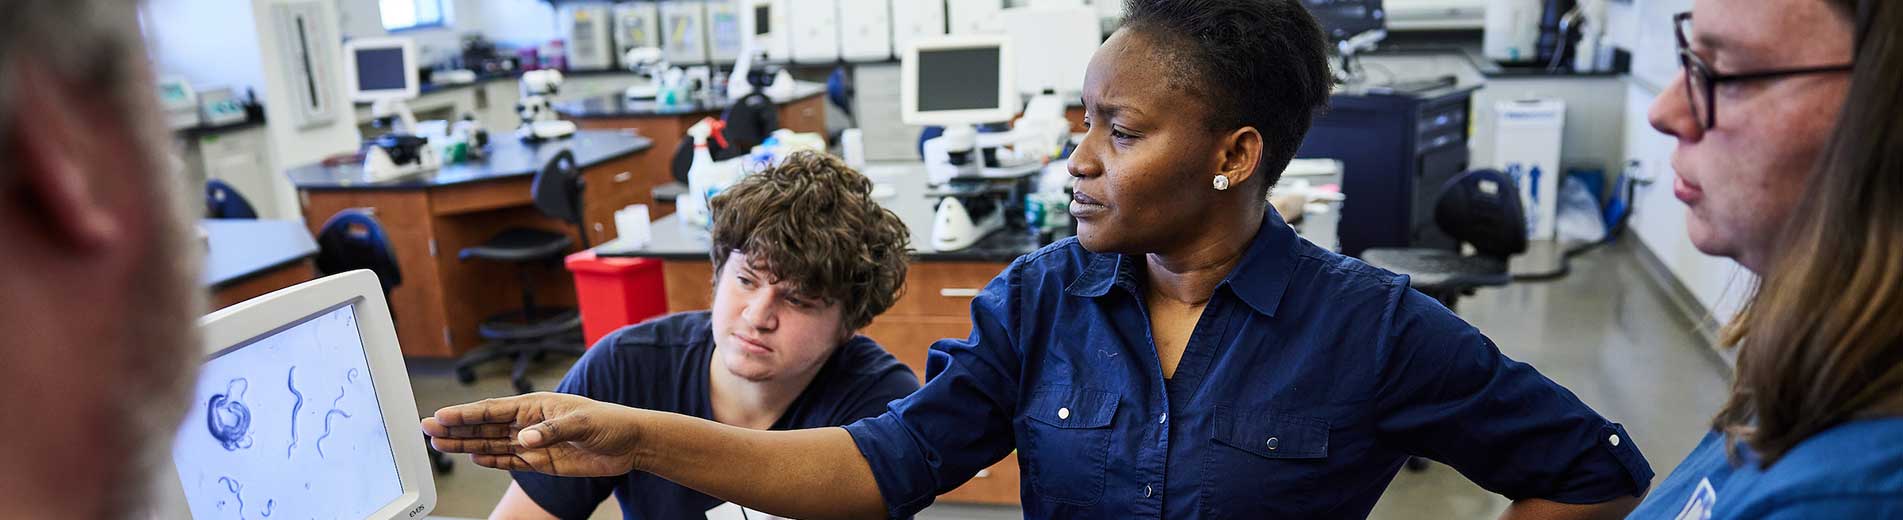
1308 381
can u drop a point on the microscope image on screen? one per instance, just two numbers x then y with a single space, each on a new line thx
288 425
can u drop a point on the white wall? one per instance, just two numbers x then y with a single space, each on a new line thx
193 39
290 145
362 18
518 23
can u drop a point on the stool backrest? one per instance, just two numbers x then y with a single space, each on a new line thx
353 239
557 191
1482 208
223 201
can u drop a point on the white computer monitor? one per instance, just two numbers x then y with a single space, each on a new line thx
302 409
958 80
378 69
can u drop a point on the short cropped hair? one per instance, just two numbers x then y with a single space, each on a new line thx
1259 63
811 222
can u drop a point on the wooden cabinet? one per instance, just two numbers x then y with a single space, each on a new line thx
805 115
609 187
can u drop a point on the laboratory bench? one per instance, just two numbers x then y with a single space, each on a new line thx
245 259
430 216
666 125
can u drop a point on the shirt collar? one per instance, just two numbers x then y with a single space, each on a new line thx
1259 280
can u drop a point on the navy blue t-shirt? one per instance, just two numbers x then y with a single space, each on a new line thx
662 365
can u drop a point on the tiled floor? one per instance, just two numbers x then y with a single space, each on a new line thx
1605 331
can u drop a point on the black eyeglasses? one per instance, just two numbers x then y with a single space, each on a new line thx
1701 83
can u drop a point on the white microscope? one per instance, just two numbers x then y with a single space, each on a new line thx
380 71
649 61
538 117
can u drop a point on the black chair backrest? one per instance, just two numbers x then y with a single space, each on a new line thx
1482 208
223 201
353 239
557 188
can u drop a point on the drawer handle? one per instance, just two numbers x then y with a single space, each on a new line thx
624 177
958 292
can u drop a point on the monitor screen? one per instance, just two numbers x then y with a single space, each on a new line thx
958 79
288 423
381 68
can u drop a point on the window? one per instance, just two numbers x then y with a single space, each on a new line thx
411 14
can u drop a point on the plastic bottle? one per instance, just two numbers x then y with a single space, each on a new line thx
693 204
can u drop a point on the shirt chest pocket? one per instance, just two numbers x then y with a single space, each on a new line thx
1262 460
1067 442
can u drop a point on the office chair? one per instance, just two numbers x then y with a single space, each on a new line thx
224 201
1480 208
530 333
351 240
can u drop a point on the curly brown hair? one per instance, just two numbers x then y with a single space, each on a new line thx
811 222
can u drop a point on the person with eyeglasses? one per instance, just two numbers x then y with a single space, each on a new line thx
1789 120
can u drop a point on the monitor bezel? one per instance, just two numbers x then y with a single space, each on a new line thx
411 84
247 322
1009 101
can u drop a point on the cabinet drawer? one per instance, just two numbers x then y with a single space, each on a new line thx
910 337
943 288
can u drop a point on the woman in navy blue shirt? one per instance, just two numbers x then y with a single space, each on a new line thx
1790 157
1186 356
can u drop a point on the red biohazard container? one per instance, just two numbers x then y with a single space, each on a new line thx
616 292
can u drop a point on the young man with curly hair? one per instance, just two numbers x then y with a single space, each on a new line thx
802 258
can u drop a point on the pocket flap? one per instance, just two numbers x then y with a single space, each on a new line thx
1066 407
1272 435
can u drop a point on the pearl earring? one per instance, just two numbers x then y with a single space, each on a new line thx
1222 183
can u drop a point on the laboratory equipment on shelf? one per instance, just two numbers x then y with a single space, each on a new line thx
538 118
382 71
957 82
308 377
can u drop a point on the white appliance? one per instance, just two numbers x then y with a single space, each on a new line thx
1512 30
178 101
588 32
913 19
1527 147
683 31
765 23
725 37
219 106
1065 39
636 24
305 40
974 16
865 30
814 28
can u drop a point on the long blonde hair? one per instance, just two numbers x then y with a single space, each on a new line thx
1821 341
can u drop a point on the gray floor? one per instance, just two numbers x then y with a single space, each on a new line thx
1605 331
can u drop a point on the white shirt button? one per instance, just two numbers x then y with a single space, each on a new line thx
1063 413
1614 439
1160 419
1274 442
1147 491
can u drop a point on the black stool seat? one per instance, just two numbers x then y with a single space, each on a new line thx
513 326
519 245
1437 270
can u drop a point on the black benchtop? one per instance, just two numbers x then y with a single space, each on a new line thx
615 105
672 241
508 157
